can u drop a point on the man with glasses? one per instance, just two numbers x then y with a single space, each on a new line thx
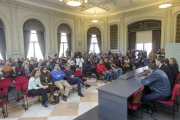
70 77
57 76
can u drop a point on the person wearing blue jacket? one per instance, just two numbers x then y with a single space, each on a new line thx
58 79
159 87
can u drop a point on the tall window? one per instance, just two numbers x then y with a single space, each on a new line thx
94 48
1 56
34 49
144 46
64 45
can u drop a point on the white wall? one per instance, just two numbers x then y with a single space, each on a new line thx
144 36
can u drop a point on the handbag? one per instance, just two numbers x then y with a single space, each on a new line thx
56 97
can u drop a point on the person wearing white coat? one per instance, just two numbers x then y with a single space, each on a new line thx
79 63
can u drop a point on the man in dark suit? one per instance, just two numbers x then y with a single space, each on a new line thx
172 69
14 72
160 64
120 64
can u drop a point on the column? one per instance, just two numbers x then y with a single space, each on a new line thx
121 32
15 46
105 39
169 24
76 43
51 43
82 36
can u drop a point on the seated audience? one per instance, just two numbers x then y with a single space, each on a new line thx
57 76
89 66
14 63
152 56
174 63
3 74
14 72
102 70
109 53
49 66
31 65
79 63
109 68
114 67
19 62
36 88
140 60
128 53
23 60
171 68
70 77
94 61
157 87
72 63
51 61
1 62
7 66
46 80
25 70
57 62
63 62
160 64
38 66
35 61
120 64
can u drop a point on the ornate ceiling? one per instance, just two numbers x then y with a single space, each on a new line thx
103 7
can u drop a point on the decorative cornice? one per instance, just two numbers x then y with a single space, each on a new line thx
44 10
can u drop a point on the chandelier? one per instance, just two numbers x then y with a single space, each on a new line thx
95 18
165 4
74 2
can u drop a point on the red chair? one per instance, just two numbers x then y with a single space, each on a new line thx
177 81
18 68
115 62
6 81
78 74
21 79
172 101
63 70
8 74
135 102
25 88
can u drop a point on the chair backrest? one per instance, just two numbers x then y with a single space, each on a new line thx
18 69
63 70
5 88
6 81
78 73
176 89
8 73
21 79
137 96
25 85
177 81
1 103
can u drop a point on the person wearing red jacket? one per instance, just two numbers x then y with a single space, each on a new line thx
101 69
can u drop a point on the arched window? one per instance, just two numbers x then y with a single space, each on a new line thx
94 40
64 39
34 42
2 42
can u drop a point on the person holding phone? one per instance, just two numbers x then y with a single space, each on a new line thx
36 88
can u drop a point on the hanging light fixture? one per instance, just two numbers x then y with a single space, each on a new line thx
73 2
165 4
95 18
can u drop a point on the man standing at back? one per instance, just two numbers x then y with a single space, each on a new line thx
157 87
160 64
57 76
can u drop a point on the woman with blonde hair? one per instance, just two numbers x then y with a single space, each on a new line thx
174 63
25 70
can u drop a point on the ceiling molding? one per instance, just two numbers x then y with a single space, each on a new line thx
44 10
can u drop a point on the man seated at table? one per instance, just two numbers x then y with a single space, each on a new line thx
102 70
57 76
161 66
157 87
70 77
